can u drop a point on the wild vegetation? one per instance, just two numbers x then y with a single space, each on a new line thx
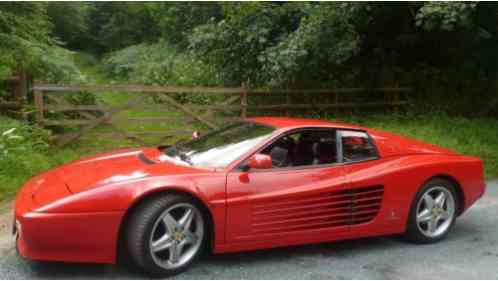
444 50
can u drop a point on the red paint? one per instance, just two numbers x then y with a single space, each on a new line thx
260 161
74 212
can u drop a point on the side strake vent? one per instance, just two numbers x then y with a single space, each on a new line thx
330 209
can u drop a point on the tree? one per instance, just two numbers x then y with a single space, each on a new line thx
278 44
26 39
19 39
176 20
115 25
70 23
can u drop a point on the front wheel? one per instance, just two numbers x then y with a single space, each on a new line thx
166 234
433 212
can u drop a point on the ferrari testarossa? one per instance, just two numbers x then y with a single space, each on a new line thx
260 183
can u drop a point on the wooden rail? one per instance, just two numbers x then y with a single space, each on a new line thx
205 90
237 104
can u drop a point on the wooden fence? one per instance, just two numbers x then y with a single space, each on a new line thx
232 103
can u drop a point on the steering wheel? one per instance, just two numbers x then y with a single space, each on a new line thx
277 163
279 156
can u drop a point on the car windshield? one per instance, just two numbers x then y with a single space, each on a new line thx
220 147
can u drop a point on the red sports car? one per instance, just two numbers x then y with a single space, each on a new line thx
260 183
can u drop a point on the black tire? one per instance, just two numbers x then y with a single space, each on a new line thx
413 233
139 230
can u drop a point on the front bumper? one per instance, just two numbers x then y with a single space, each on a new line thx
72 237
89 237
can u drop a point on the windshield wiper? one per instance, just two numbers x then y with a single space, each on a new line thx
173 151
185 158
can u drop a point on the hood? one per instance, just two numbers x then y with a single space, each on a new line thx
393 145
99 170
118 166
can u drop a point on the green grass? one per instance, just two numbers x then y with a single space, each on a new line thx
476 137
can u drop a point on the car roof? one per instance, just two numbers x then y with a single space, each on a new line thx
287 123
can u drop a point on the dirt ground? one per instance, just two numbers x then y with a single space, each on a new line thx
6 240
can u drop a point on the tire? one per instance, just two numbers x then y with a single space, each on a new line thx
429 225
159 237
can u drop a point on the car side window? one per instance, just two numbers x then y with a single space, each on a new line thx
304 148
357 146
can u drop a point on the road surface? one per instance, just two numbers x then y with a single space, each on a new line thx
469 252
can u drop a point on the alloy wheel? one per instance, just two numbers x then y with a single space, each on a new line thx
435 211
177 236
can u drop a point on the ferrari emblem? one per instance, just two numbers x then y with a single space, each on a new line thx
179 236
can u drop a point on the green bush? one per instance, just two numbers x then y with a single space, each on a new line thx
26 39
160 64
23 153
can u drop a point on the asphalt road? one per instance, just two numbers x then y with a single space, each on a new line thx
469 252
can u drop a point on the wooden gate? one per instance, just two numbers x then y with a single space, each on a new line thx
150 106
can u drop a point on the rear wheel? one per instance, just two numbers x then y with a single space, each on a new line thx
166 234
433 212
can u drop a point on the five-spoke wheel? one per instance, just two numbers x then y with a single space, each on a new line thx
165 234
177 235
433 212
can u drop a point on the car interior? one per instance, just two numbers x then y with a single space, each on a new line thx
303 148
357 147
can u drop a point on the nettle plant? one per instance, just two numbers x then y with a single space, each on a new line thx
22 139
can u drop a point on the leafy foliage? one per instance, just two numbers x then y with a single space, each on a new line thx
325 37
437 15
34 48
23 151
160 64
16 136
176 20
114 25
235 46
17 35
70 23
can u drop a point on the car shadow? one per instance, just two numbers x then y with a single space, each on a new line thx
203 269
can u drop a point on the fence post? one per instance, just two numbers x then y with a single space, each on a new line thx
38 97
243 102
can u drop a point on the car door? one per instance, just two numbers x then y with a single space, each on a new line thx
368 181
303 202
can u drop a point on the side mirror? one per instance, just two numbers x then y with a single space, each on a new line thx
260 161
